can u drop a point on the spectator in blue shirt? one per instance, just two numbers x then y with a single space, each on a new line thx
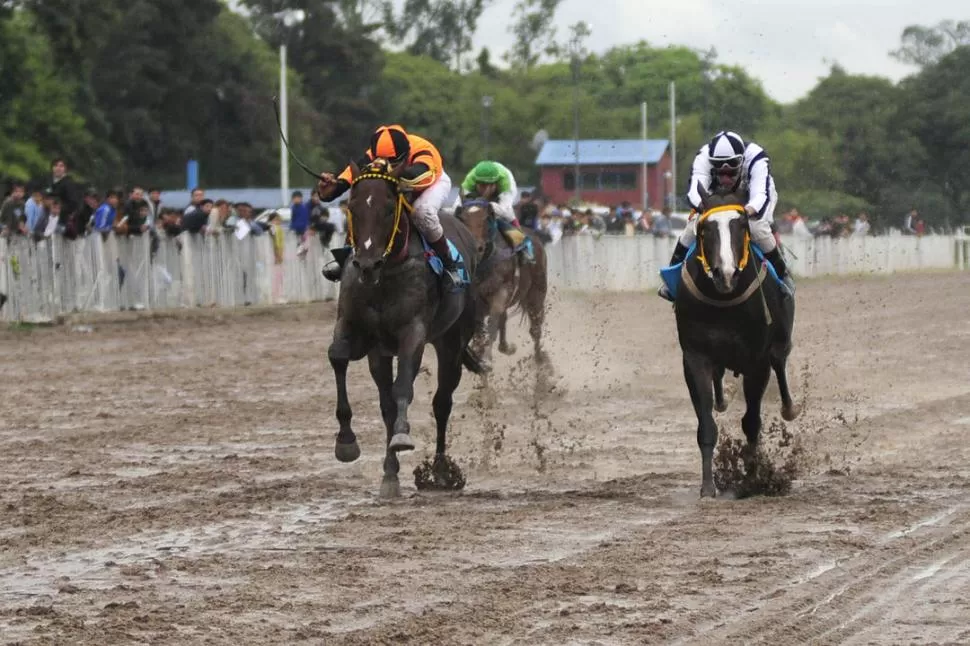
299 214
104 217
34 207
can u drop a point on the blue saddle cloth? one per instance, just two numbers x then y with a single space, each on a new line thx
438 267
671 275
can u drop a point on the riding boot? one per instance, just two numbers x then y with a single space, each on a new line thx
335 268
781 268
441 249
680 252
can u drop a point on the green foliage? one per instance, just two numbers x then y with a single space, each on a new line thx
922 46
37 112
440 29
128 90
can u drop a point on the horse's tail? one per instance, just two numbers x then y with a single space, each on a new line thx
471 362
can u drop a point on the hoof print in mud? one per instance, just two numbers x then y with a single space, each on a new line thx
442 474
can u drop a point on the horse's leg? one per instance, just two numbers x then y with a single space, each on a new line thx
719 404
503 345
382 372
341 350
789 410
755 383
699 374
410 351
448 349
534 302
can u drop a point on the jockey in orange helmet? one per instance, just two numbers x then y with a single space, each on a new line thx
424 174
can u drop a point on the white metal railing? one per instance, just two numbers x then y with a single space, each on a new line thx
631 263
57 276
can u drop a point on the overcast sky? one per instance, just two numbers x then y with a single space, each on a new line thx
784 43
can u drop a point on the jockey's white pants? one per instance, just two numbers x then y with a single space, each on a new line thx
760 228
426 207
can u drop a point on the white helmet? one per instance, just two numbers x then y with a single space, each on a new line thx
726 152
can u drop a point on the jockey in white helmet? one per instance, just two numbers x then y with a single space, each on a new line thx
727 163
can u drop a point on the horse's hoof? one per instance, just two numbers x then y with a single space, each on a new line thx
401 442
790 413
390 487
708 490
346 452
721 407
507 349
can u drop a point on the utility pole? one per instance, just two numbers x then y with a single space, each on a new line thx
284 127
486 110
673 144
646 150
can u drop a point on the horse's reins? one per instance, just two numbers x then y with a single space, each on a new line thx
756 285
402 205
730 208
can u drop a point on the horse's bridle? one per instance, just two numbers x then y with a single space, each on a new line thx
402 205
728 208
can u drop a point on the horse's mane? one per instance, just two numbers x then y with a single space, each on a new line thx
724 199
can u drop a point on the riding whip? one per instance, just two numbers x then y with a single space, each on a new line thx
279 125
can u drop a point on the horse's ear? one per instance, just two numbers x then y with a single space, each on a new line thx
705 196
354 171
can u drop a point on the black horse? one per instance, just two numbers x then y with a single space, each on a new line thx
392 304
730 315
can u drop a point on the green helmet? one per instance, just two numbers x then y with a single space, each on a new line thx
487 172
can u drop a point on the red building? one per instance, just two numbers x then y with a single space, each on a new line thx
611 170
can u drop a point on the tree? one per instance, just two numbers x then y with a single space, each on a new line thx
38 117
922 46
332 45
859 114
534 32
933 108
440 29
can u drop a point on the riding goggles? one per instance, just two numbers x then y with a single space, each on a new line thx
731 162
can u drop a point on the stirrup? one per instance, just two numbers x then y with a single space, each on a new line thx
333 271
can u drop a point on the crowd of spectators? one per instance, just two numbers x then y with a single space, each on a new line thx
59 205
62 206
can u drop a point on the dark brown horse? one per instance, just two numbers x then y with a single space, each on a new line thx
391 304
505 282
730 315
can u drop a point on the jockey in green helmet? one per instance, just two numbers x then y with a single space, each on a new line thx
494 182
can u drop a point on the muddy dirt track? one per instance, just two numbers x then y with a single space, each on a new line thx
173 482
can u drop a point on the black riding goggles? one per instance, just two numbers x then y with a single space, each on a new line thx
732 163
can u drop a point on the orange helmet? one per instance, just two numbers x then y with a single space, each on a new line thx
390 143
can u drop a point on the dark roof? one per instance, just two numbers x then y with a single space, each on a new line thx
562 152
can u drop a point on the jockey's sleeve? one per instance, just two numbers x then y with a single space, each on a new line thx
414 171
700 176
505 181
759 181
503 206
